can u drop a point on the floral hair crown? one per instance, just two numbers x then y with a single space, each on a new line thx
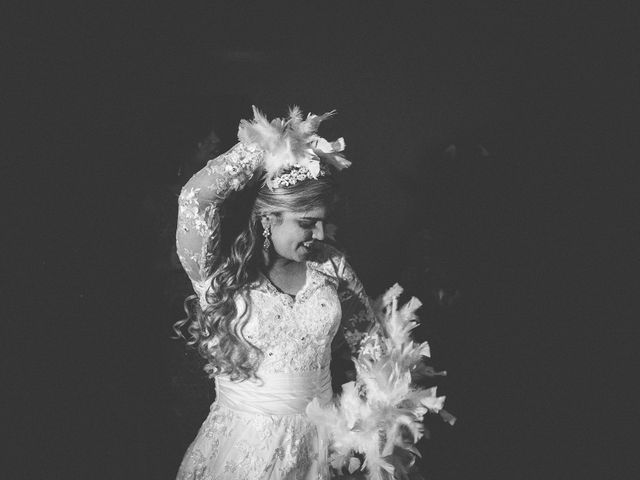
293 151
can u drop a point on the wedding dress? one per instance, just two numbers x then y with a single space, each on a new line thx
258 429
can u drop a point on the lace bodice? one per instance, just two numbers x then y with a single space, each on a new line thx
295 334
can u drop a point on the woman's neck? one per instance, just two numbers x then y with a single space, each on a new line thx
287 276
281 264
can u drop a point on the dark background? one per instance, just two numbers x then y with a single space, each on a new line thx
518 239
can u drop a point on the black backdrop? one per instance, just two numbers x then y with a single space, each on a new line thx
527 215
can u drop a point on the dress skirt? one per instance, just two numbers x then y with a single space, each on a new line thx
259 430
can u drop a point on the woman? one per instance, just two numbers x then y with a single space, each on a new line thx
271 296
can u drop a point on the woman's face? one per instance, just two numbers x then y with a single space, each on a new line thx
293 236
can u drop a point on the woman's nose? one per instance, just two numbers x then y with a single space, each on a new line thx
318 232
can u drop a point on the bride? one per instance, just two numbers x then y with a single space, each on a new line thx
271 295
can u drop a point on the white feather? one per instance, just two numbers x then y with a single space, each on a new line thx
290 142
377 411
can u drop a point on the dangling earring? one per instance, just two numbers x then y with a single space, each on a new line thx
267 243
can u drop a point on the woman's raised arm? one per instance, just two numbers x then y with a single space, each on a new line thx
198 215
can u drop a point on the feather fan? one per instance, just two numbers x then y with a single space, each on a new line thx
379 416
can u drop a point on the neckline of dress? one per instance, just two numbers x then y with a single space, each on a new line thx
293 297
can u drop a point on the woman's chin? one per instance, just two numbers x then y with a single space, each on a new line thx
304 252
300 254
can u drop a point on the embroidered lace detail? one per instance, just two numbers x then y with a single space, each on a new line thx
241 446
294 334
199 200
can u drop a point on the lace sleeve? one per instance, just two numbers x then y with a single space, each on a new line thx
358 318
198 204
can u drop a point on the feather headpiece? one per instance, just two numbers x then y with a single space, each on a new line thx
293 151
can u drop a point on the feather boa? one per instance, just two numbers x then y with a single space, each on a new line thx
291 142
378 417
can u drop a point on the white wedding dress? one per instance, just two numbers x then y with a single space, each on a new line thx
258 429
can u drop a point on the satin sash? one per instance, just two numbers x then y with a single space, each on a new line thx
275 394
280 394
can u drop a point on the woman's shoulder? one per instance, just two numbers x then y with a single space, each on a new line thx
328 259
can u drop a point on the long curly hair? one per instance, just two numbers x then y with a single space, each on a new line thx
236 258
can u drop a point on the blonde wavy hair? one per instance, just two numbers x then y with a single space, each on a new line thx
237 258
